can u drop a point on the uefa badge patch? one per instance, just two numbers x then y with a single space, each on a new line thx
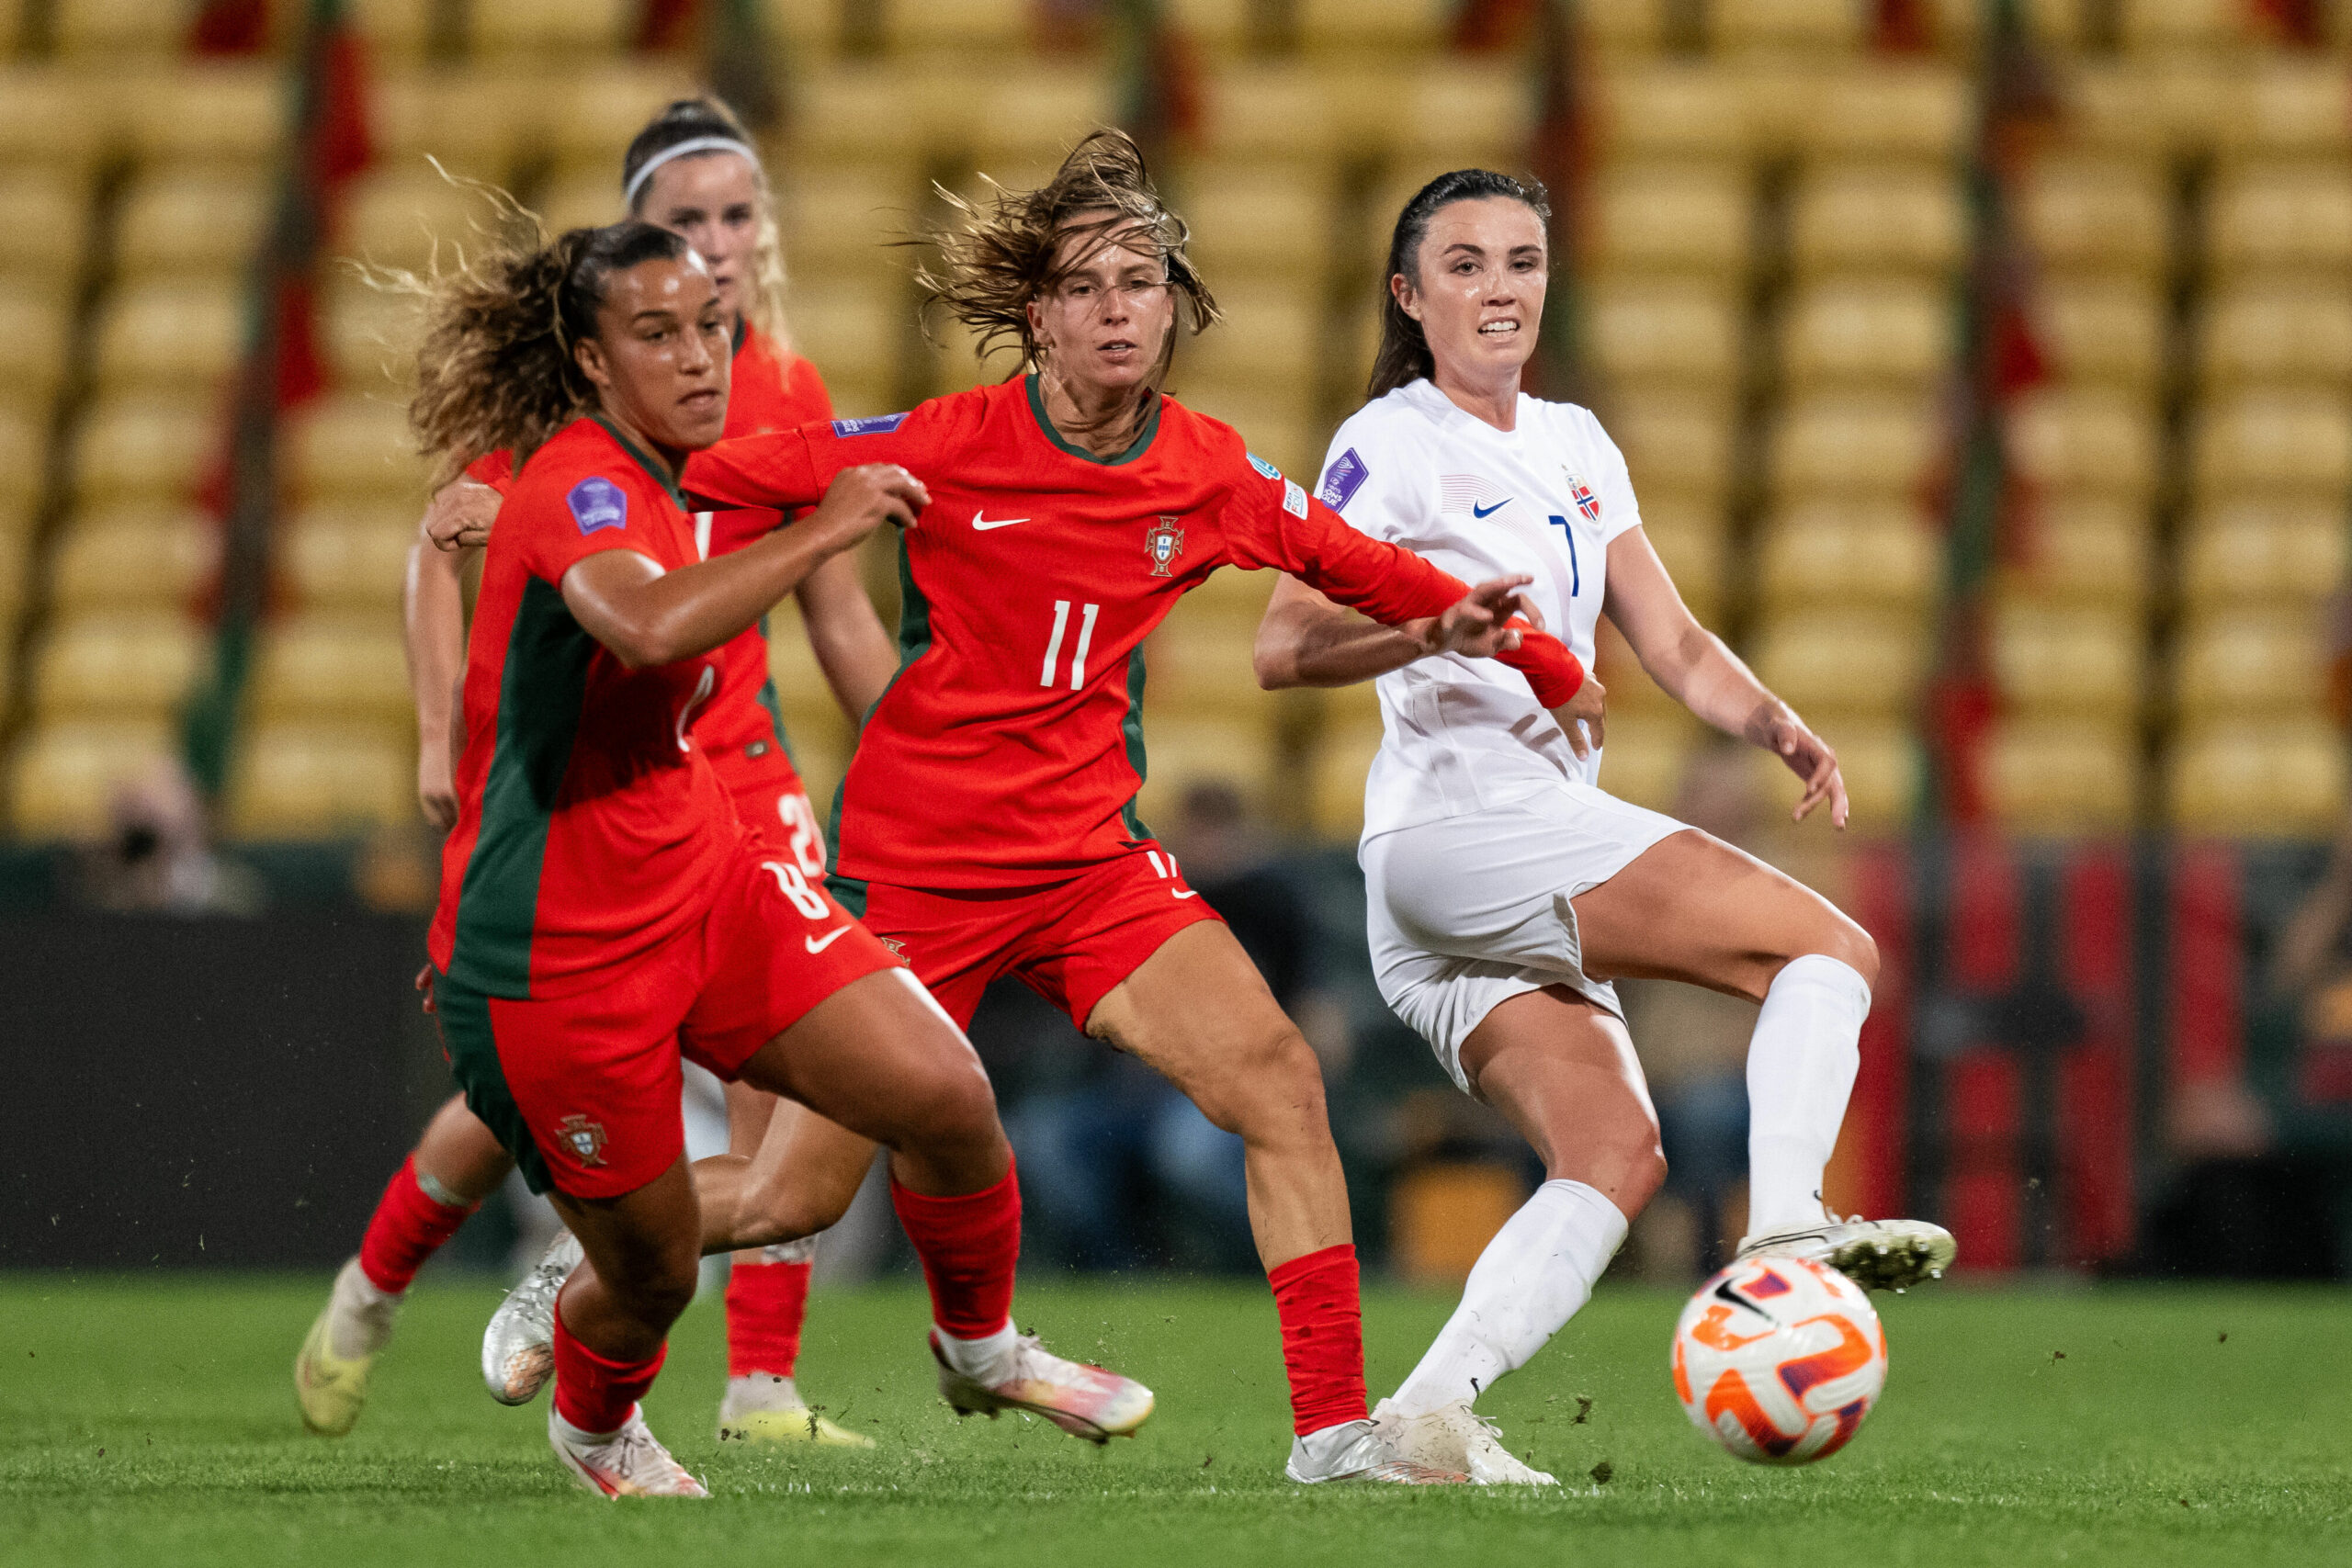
873 424
1266 469
584 1138
1343 480
1163 544
597 503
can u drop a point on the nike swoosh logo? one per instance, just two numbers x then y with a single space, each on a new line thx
818 944
1478 511
982 525
1173 894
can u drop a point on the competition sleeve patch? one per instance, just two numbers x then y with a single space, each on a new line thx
1264 468
1293 499
1343 480
873 424
597 503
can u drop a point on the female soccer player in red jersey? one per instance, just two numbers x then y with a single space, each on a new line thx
986 825
692 170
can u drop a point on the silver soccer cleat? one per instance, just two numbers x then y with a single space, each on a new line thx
1878 1255
1457 1437
631 1462
518 1347
1361 1451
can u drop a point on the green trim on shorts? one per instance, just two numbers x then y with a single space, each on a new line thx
464 1015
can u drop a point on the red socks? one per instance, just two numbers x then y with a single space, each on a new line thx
766 1303
1316 1297
593 1393
408 1227
969 1246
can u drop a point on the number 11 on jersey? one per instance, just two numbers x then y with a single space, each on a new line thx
1077 654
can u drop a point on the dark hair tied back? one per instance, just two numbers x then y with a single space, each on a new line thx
1403 356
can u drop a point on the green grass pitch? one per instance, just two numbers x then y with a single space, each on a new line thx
151 1421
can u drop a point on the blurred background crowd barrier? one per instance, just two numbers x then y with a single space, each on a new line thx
1984 367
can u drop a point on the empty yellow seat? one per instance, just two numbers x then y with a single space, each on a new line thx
1883 554
2085 441
1674 109
332 665
173 334
2163 104
2274 440
144 446
149 558
1675 442
2062 776
957 362
581 196
1866 329
1843 661
393 29
346 557
1693 216
1396 25
2088 212
371 336
396 217
175 220
1269 109
45 120
594 111
353 444
117 664
2292 214
1215 25
535 29
2258 779
1266 342
842 220
234 115
1182 751
33 325
1808 26
2158 25
1279 426
1669 328
2300 332
863 113
2065 657
2233 662
1031 116
1261 219
44 220
1852 443
2289 103
471 123
112 29
1645 758
1454 113
960 25
1888 109
2102 329
24 437
2093 550
65 774
1865 215
1692 542
854 331
1336 771
300 781
1200 666
2253 552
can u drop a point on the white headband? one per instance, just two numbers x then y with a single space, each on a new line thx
682 150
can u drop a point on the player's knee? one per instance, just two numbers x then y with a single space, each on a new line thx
952 1109
656 1285
1273 1088
1851 945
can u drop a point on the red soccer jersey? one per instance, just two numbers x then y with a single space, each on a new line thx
1009 747
741 726
588 819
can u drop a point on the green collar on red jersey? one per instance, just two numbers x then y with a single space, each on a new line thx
1142 442
644 461
740 336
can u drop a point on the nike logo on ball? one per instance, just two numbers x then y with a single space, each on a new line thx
1478 511
818 944
981 524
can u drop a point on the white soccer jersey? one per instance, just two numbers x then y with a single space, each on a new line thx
1544 500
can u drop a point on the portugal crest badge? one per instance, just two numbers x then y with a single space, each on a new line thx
584 1138
1163 544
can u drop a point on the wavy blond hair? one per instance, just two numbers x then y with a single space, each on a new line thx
688 119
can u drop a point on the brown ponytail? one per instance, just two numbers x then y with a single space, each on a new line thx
1403 356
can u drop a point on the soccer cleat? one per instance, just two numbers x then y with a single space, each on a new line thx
631 1462
1083 1400
1361 1451
518 1346
764 1408
1878 1255
1456 1437
331 1369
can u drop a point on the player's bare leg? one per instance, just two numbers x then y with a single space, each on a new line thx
767 1297
1691 908
1562 1070
456 1164
612 1328
1198 1010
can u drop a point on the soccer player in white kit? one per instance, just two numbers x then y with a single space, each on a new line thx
1506 889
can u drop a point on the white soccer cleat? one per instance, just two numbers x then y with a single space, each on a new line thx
631 1463
1457 1439
331 1369
518 1346
1086 1402
1361 1451
1878 1255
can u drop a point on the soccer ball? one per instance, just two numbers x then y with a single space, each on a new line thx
1779 1360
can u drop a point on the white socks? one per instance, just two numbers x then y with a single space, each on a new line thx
1532 1279
986 1361
1801 1067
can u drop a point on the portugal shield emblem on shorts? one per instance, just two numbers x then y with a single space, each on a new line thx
586 1138
1163 544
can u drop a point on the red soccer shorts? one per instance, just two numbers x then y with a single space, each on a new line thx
771 801
582 1089
1070 941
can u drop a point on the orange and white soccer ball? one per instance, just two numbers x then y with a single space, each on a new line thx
1779 1360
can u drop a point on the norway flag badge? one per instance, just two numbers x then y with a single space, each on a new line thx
1587 502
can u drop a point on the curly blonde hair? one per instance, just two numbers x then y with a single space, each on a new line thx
995 261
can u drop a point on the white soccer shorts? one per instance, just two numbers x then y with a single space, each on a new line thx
1468 911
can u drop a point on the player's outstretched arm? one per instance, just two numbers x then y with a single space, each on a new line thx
857 656
649 616
1693 667
433 630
